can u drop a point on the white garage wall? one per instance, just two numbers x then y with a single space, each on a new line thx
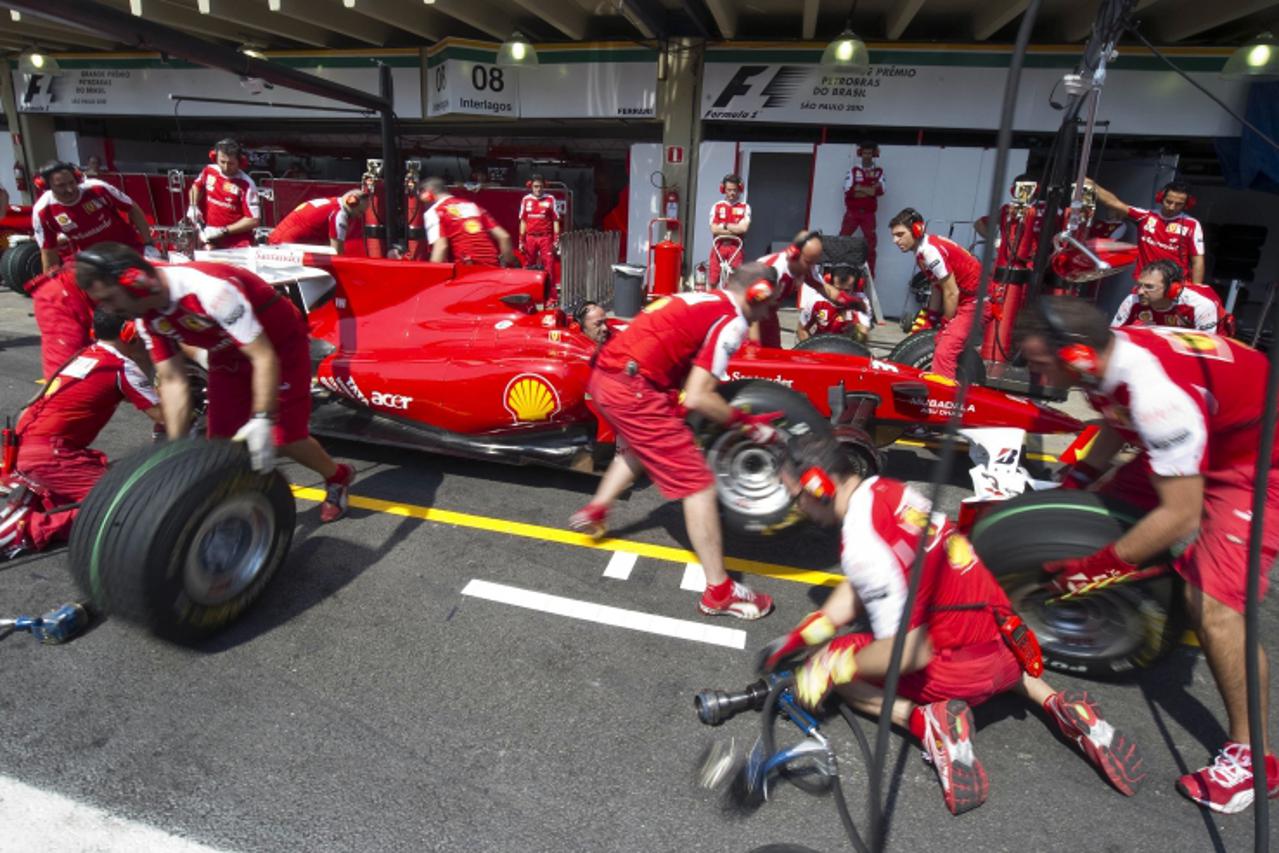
645 199
949 186
7 160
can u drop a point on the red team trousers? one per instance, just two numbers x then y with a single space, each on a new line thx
63 475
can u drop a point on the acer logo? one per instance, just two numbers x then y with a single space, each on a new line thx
391 401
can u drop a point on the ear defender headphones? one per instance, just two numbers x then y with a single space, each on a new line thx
1176 187
817 484
1173 282
760 291
229 146
729 179
113 265
916 225
794 250
43 177
1069 346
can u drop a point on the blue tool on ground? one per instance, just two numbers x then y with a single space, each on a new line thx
56 626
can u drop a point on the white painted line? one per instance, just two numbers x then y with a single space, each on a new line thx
619 567
694 578
36 820
604 615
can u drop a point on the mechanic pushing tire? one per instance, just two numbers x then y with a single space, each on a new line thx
752 498
1098 635
838 344
19 264
182 539
917 351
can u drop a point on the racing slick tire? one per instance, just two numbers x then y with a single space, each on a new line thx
1100 635
753 500
839 344
917 351
19 264
183 538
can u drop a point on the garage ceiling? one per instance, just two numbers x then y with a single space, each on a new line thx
311 24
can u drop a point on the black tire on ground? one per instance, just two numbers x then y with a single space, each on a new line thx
1098 636
19 264
839 344
917 351
183 538
752 498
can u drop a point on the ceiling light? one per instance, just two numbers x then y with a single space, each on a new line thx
253 51
35 62
516 51
1257 58
15 15
847 53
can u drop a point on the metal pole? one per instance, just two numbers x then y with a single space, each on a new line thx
15 131
392 184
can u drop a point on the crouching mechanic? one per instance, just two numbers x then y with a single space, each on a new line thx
55 465
259 387
1161 298
682 342
955 275
955 653
839 306
1193 403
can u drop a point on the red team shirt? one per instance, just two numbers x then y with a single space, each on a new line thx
78 402
723 213
227 200
787 284
538 215
674 335
1190 310
214 308
881 531
1178 239
466 225
938 257
316 222
859 176
94 217
820 316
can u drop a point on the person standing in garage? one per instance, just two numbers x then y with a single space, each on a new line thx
1192 403
324 221
863 185
224 202
730 220
955 275
680 347
1167 233
539 226
459 230
259 387
85 211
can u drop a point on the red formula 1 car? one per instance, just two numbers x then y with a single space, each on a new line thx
464 360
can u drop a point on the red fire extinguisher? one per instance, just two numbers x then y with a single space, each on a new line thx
665 259
670 203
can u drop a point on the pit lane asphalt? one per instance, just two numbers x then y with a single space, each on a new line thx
365 703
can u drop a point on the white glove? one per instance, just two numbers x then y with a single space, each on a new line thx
211 233
258 433
151 253
193 213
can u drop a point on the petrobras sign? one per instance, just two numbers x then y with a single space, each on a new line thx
961 86
462 77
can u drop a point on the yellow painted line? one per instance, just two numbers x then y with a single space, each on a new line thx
933 445
504 526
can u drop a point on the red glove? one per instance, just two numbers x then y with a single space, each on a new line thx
845 300
815 629
758 428
1082 575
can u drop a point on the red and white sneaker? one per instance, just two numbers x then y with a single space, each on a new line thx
948 746
1226 785
1114 753
336 497
15 536
739 600
591 520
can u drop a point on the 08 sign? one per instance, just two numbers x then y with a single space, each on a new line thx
487 77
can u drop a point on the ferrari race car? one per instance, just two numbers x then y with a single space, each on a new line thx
462 360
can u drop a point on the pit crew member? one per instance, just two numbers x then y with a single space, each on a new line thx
1192 402
539 226
681 343
863 185
323 221
64 315
955 276
259 387
955 654
839 307
730 220
593 320
56 466
85 211
795 266
1161 298
461 229
224 201
1167 232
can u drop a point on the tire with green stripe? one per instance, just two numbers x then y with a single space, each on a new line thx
1100 635
182 538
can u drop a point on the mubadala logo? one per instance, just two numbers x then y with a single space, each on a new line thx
391 401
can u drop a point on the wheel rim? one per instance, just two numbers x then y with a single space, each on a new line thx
230 548
1105 625
747 475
